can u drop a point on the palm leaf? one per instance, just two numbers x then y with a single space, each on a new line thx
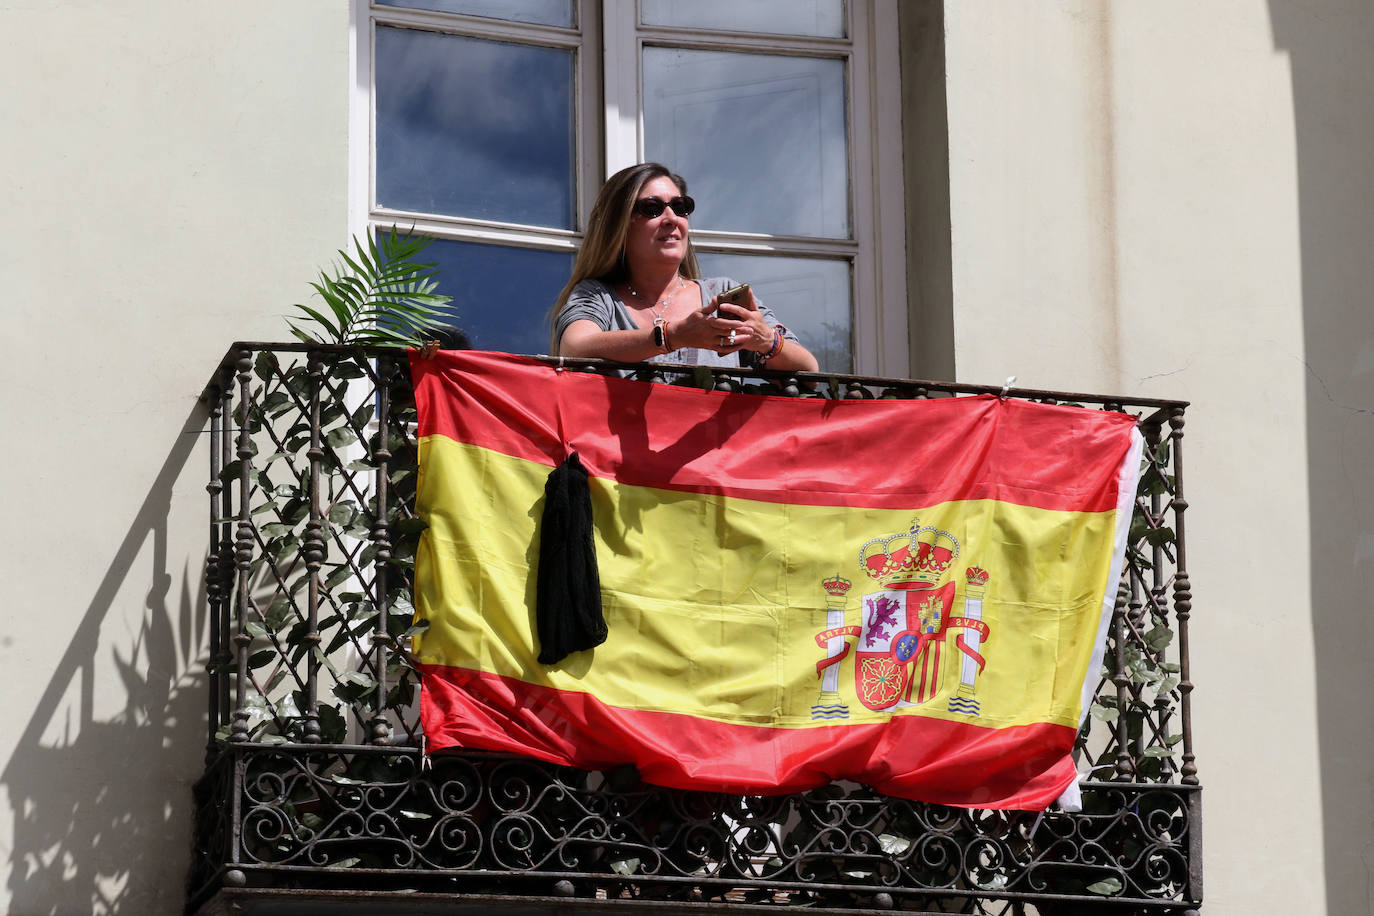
378 293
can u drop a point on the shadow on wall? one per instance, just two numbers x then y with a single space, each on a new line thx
98 805
1327 45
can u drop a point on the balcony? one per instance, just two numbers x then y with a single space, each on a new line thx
318 792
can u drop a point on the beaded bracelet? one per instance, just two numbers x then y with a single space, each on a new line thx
777 345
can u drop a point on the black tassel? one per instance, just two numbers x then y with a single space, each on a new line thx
568 594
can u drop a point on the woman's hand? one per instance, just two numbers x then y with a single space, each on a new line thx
701 329
740 327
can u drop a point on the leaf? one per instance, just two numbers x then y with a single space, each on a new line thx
286 706
333 727
892 844
363 415
278 613
1107 887
340 436
1158 537
285 547
323 659
376 294
340 573
353 686
264 365
323 322
1107 714
347 369
1159 637
276 403
625 866
262 657
418 627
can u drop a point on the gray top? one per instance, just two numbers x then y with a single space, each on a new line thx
594 301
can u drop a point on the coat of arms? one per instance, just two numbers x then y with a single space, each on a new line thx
901 639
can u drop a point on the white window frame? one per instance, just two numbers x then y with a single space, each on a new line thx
364 212
608 75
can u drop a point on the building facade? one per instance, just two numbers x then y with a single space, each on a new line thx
1160 200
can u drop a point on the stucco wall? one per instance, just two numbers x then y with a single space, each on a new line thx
173 174
1174 199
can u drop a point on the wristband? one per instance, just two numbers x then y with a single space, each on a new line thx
661 334
777 345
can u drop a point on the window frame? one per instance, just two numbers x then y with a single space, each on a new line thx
609 128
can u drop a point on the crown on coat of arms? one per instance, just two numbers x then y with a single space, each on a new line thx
919 556
976 576
836 586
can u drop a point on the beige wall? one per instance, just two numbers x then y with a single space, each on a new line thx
1174 199
173 173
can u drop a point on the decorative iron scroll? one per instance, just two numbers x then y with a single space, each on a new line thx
493 823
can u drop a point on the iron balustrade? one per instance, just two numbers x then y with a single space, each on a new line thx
317 781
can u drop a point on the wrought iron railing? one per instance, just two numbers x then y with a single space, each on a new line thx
316 776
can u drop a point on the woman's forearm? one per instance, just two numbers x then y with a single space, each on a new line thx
793 356
631 346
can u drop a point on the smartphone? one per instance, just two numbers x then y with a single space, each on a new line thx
736 295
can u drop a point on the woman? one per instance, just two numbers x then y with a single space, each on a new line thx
636 293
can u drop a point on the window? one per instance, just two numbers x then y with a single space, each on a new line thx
490 124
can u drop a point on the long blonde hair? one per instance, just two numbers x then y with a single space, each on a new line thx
602 255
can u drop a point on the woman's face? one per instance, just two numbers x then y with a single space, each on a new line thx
660 241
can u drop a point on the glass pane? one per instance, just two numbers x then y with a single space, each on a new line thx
501 295
545 12
477 128
809 295
760 138
780 17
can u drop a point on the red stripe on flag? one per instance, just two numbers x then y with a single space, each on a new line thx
878 454
949 763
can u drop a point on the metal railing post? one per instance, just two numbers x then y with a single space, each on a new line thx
243 553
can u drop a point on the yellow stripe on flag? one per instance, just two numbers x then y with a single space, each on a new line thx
723 595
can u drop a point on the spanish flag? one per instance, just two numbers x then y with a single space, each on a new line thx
908 594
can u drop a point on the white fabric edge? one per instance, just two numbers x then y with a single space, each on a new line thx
1127 479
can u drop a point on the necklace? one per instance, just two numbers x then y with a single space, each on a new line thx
662 303
660 332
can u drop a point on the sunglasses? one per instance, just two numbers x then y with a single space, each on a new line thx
651 207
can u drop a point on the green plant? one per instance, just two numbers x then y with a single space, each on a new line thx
322 504
382 294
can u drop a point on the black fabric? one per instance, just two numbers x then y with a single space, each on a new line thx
568 594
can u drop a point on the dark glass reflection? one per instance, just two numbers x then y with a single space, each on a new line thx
476 128
761 138
501 295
